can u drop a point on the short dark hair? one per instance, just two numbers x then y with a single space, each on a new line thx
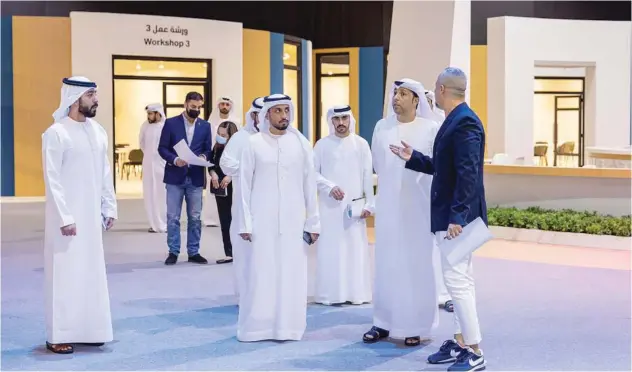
194 96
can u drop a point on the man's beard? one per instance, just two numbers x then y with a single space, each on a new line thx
151 121
89 112
341 128
282 125
223 111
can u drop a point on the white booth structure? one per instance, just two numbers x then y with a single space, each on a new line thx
557 87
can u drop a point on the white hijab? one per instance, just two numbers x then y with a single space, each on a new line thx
157 107
257 105
423 108
71 90
338 111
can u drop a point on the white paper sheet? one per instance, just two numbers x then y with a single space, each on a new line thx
473 236
185 153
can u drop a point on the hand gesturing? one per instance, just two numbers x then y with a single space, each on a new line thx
403 152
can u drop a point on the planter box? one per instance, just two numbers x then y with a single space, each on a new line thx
562 238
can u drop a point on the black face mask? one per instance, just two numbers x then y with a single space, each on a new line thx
193 113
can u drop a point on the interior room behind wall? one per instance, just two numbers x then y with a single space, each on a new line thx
138 82
558 119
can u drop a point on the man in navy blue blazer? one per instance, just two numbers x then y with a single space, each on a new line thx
457 198
183 181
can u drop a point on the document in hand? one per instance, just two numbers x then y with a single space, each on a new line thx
185 153
473 236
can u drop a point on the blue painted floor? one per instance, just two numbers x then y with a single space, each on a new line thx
534 317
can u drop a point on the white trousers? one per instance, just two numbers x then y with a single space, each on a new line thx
459 281
442 290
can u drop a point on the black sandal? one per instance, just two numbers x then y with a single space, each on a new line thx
97 344
412 341
449 306
60 348
374 335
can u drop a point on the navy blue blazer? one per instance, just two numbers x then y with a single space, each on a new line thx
458 193
173 132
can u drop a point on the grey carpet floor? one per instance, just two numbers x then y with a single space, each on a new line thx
534 316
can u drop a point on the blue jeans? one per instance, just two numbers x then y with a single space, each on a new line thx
193 197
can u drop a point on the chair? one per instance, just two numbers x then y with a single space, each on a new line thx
135 162
539 152
565 151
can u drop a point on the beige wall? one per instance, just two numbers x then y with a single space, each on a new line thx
41 59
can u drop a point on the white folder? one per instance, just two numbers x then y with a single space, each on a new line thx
473 236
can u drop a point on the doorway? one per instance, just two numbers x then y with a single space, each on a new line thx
568 126
558 126
332 87
137 82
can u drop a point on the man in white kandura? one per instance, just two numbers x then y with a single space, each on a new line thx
280 214
80 203
229 163
439 114
222 111
344 175
154 192
443 297
404 297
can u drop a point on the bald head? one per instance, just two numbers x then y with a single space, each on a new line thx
450 88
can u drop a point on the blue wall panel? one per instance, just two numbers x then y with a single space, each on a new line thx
371 89
7 165
276 63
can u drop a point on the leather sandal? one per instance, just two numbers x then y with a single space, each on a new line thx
412 341
60 348
375 334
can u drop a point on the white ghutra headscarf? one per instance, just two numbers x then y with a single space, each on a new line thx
71 90
264 124
423 108
339 111
439 114
157 107
255 107
214 117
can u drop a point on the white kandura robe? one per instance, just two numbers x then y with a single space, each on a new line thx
79 190
404 298
229 163
154 189
343 271
279 202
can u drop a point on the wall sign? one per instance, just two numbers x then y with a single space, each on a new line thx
161 36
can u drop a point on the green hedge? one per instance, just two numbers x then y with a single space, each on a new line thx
560 220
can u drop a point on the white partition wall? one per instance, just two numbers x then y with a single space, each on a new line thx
426 37
517 46
96 37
